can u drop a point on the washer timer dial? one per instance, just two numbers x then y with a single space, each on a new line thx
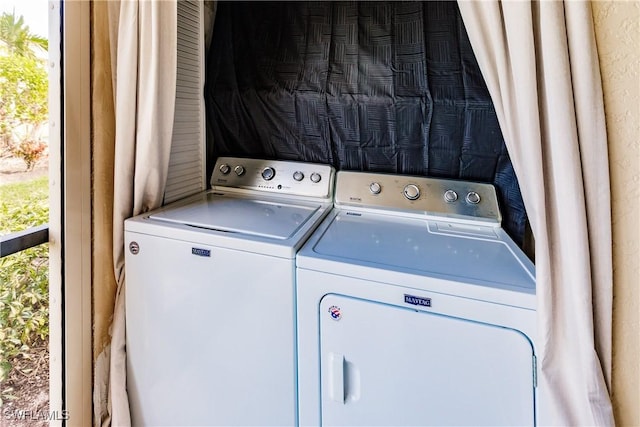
411 192
473 198
450 196
268 173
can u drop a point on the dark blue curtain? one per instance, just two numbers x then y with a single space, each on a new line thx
374 86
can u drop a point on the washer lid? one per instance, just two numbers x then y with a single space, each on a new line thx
265 218
424 247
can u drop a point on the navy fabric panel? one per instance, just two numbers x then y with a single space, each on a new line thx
373 86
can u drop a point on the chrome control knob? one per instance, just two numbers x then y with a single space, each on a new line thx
375 188
224 169
315 177
411 192
473 198
298 176
268 173
450 196
239 170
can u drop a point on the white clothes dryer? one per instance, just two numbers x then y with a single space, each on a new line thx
415 308
210 296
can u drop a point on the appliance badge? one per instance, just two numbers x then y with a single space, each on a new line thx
414 300
335 312
134 248
201 252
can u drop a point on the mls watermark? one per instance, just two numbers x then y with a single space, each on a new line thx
30 415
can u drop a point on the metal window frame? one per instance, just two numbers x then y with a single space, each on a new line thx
22 240
70 346
69 230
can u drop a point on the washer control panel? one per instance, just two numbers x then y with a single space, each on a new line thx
277 176
415 194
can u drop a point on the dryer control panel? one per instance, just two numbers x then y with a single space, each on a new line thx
418 195
277 176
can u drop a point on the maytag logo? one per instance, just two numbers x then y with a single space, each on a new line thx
413 300
201 252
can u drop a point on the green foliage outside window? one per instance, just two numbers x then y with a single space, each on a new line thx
24 277
23 90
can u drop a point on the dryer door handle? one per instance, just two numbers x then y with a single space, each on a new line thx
336 377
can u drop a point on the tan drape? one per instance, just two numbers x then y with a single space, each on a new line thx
103 133
539 60
142 46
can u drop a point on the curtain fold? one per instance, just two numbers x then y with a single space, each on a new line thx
142 45
539 61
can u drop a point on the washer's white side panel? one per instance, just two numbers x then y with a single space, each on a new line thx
213 332
385 365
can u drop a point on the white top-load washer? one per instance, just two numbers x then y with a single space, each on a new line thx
210 296
415 308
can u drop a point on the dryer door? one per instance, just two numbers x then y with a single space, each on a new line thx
388 365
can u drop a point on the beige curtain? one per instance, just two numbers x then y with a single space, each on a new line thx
142 44
540 63
104 285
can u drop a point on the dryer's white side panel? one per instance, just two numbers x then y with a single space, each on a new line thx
187 167
210 335
386 365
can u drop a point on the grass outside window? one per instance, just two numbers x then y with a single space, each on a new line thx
24 288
